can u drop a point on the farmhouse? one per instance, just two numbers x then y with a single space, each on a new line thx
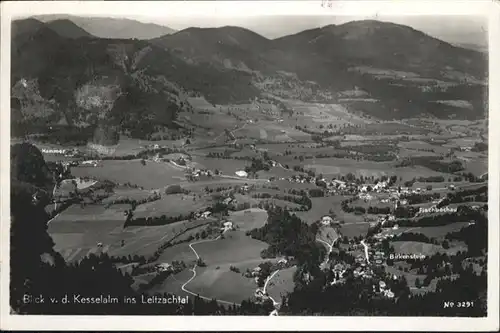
380 186
382 284
227 201
256 271
326 220
90 163
241 173
163 267
206 214
283 261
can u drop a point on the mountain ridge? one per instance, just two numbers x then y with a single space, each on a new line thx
67 28
114 28
400 67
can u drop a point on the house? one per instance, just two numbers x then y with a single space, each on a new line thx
163 267
256 272
241 173
259 293
227 201
282 261
380 186
326 220
90 162
206 214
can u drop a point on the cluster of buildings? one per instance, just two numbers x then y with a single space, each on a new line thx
301 179
229 201
327 220
203 215
164 267
226 226
362 269
92 163
337 186
197 173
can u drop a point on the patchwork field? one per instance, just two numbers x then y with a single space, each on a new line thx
249 219
271 131
327 234
227 166
235 248
76 232
216 280
424 248
172 205
355 229
126 193
150 176
223 284
440 231
281 283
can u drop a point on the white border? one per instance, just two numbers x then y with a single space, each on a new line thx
254 8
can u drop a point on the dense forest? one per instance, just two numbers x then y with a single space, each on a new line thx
287 235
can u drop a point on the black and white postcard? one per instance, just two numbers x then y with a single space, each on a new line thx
329 164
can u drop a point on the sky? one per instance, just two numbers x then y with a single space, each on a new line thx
455 22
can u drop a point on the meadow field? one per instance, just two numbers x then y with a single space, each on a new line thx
172 205
121 193
358 229
409 247
153 175
235 248
227 166
281 283
248 219
440 231
216 279
222 284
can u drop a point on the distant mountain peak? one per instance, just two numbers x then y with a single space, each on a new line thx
115 28
67 28
28 25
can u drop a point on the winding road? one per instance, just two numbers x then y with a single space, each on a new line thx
267 282
366 251
330 246
183 287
